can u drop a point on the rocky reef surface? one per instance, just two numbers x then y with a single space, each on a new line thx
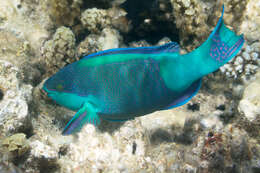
217 131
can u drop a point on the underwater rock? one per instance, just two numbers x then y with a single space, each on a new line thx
9 168
178 140
95 20
250 26
40 150
42 158
122 149
147 18
62 12
16 144
191 17
196 18
222 150
108 39
25 20
14 49
245 63
14 112
212 121
250 103
89 45
19 52
60 50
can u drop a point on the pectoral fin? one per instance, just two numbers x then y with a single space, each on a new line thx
86 114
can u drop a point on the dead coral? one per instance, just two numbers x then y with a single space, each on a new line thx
196 18
60 50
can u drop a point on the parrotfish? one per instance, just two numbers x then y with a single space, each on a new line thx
124 83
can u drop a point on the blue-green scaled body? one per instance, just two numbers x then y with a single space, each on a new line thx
120 84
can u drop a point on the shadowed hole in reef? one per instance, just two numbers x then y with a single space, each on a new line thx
183 135
110 126
160 136
48 166
63 150
28 130
149 22
193 107
134 147
1 95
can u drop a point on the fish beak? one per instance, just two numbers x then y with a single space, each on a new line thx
43 92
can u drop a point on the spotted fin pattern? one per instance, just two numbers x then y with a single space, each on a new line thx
220 51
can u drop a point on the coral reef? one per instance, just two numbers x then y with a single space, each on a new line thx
16 144
245 63
9 168
196 18
147 18
250 103
109 38
63 12
95 20
250 26
14 19
14 112
217 131
60 50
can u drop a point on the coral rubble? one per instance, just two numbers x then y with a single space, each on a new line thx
217 131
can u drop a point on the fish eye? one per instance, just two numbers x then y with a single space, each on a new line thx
59 87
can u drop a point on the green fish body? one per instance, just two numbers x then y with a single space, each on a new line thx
121 84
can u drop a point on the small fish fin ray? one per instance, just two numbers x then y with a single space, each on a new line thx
186 95
223 44
85 115
171 47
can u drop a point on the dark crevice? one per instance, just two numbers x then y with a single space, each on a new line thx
48 166
134 147
103 4
1 95
157 25
28 131
221 107
193 107
63 150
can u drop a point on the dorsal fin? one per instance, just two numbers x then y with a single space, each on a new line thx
171 47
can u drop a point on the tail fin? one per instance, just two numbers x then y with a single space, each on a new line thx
221 46
224 43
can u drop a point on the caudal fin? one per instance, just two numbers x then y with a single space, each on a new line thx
223 44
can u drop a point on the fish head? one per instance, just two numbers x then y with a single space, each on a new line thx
58 84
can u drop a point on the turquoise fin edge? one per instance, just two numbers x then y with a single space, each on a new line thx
86 114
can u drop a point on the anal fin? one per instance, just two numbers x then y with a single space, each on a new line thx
86 114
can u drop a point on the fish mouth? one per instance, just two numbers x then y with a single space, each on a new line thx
44 94
44 90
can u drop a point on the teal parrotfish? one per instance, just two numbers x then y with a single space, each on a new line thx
124 83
